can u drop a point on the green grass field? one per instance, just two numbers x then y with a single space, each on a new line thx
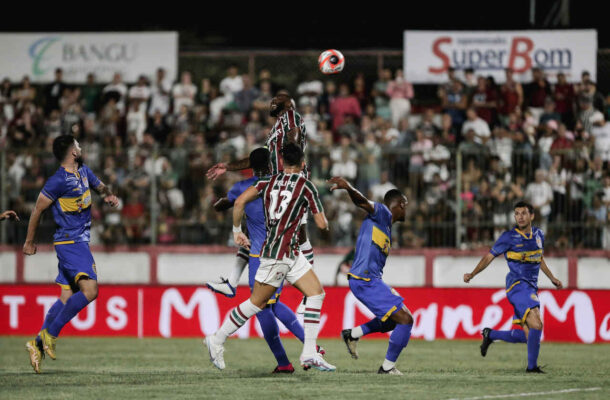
95 368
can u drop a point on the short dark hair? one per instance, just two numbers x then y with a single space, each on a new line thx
521 204
292 154
61 145
259 159
391 196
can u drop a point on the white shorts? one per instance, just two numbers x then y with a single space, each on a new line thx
273 272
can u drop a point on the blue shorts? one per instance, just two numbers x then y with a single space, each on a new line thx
523 298
377 296
75 262
253 263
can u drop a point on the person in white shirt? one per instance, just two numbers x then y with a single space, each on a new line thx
379 190
118 89
232 83
478 125
139 95
540 195
600 130
184 92
159 92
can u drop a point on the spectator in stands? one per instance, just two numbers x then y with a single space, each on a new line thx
117 91
380 189
184 93
484 100
501 145
90 96
53 92
511 96
160 94
549 114
232 83
454 101
540 195
380 96
564 96
536 93
427 124
400 92
24 95
343 105
139 95
309 91
478 125
246 96
420 150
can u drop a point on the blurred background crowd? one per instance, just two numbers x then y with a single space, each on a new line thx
462 153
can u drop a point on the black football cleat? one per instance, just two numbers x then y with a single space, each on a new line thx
486 341
392 371
350 342
535 370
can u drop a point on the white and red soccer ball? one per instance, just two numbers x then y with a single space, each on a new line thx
331 62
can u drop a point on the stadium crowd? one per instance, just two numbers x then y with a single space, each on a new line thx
153 141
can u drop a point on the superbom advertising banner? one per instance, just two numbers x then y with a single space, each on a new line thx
428 54
37 55
581 316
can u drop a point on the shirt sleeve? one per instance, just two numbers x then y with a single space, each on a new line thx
313 198
502 245
93 180
53 188
260 185
234 193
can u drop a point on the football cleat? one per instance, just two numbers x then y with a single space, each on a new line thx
320 350
48 343
288 369
316 362
301 307
215 351
223 287
350 342
535 370
35 355
486 341
392 371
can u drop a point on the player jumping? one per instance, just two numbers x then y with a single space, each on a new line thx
522 247
372 249
286 197
68 194
288 128
255 218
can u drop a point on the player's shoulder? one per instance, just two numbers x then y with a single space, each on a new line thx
537 231
510 234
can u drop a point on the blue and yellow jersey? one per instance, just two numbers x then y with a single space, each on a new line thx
255 215
71 196
373 244
523 253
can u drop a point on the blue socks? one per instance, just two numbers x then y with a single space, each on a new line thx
398 341
271 332
533 347
50 317
289 319
375 325
512 336
75 303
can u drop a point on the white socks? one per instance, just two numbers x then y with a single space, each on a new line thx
311 323
236 319
357 332
387 364
241 260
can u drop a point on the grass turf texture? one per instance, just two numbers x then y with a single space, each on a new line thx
179 368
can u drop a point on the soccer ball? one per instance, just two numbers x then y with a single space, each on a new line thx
331 62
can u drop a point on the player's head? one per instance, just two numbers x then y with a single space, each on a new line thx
397 203
292 155
524 214
282 101
259 161
66 148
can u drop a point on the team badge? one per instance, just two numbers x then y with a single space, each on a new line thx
534 297
94 269
538 242
279 276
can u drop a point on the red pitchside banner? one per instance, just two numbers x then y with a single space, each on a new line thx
163 311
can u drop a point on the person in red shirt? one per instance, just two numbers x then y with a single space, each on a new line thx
564 99
511 96
484 100
562 143
343 105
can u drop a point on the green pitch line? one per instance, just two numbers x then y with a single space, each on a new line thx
112 368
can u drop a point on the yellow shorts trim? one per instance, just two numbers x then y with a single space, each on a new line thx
387 315
517 321
272 301
525 316
64 242
358 277
254 255
79 275
512 286
67 287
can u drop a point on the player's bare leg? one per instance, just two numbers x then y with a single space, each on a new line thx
534 333
310 286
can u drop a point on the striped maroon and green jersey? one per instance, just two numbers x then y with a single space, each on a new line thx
277 137
286 198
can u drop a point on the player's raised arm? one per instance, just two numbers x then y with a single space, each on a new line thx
8 214
550 275
42 203
217 170
357 197
238 213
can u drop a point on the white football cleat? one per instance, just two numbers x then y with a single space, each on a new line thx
301 307
392 371
223 287
316 361
215 351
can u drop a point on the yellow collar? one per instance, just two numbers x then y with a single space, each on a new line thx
523 234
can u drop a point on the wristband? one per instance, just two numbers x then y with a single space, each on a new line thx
237 229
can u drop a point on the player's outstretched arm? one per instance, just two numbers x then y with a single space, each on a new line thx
223 204
321 221
357 197
8 214
217 170
42 203
109 198
550 275
485 261
238 213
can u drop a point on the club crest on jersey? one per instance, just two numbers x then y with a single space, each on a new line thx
534 297
538 241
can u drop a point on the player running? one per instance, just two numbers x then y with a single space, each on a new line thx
68 194
522 247
288 128
286 197
372 249
257 231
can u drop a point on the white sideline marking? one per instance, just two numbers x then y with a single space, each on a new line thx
499 396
